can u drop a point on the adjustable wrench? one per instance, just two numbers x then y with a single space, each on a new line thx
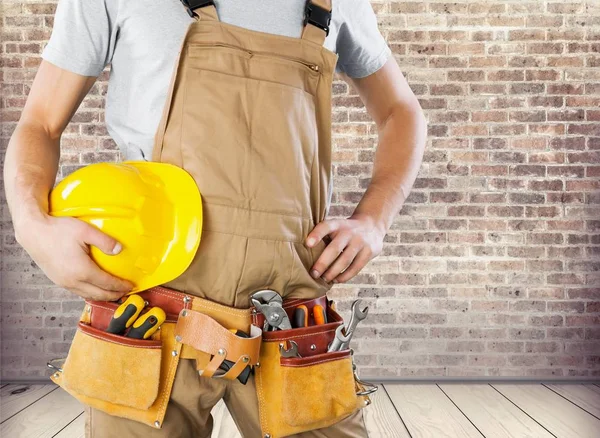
356 317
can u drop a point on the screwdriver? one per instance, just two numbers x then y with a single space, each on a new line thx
147 324
300 316
319 315
125 314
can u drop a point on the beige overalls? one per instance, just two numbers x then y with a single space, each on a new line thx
248 115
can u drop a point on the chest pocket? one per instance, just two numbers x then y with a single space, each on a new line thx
249 131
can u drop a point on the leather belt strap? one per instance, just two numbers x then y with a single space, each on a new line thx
203 333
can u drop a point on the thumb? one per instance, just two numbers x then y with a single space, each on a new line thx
102 241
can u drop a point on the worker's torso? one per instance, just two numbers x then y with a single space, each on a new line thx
248 115
149 34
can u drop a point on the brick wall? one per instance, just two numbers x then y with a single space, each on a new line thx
491 269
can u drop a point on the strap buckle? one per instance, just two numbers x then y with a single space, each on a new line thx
190 5
317 16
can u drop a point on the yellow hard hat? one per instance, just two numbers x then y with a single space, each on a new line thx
153 209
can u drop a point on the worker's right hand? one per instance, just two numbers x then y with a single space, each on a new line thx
59 246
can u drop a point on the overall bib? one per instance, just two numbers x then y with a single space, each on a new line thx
248 115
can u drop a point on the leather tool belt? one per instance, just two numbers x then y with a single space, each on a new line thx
133 378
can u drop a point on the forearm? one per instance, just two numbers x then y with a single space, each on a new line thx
397 161
30 168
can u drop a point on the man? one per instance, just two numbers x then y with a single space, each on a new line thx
140 40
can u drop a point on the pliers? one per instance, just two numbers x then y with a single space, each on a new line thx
269 303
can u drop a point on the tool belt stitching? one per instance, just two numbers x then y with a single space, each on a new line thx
224 309
312 334
104 307
170 378
151 347
162 291
331 359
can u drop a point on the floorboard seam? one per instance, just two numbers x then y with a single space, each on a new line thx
66 425
460 410
396 409
32 403
570 401
518 407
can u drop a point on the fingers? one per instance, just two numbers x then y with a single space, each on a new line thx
360 261
321 230
93 236
330 254
342 262
89 291
103 280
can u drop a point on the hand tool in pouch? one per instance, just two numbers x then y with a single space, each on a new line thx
270 304
126 314
147 324
319 315
300 316
227 364
290 352
342 340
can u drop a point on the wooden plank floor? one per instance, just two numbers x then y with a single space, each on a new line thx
404 410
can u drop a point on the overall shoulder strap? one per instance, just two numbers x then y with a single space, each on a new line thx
206 9
317 17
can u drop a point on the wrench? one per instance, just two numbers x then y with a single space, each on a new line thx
356 317
291 352
339 339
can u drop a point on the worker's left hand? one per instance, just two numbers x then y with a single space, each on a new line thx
354 242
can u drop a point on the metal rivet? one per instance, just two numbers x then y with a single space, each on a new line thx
221 352
245 359
184 312
146 303
178 338
200 372
281 346
157 423
257 364
267 435
367 402
174 353
313 347
186 299
56 375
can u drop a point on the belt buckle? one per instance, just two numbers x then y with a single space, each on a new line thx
317 16
190 5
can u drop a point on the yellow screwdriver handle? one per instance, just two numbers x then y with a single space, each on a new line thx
126 314
147 324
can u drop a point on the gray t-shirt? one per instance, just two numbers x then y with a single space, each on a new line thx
141 39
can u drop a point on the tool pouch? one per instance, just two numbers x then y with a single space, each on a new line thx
313 391
125 377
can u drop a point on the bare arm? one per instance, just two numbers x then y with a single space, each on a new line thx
58 245
402 132
33 152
